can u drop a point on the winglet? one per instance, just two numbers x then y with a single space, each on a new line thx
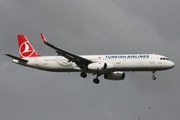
43 38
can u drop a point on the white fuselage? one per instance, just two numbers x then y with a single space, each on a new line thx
120 62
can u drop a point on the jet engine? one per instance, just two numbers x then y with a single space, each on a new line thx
100 66
115 75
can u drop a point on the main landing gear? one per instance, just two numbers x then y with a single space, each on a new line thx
95 80
153 77
83 74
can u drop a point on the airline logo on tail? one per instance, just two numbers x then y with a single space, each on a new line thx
25 48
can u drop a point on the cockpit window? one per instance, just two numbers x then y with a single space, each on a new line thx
164 59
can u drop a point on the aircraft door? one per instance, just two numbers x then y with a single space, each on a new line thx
152 59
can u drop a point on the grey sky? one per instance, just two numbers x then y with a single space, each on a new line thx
90 27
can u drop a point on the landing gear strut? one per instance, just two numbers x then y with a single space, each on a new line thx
153 77
96 80
83 74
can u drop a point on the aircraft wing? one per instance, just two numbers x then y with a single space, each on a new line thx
80 61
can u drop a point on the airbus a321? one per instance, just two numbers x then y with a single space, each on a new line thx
113 67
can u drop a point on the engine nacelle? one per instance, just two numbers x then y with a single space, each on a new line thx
115 75
100 66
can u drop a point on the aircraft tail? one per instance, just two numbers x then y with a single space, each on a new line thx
25 47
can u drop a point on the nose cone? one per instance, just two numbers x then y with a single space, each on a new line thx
171 64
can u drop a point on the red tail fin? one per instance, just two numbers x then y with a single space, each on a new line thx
25 47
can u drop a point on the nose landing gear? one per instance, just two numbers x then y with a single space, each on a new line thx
153 77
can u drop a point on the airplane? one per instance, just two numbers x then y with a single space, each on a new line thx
113 67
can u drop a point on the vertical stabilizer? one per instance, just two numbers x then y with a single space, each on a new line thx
25 47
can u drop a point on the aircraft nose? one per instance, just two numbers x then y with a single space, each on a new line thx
171 64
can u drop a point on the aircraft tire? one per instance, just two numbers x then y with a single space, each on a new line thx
96 81
83 75
153 77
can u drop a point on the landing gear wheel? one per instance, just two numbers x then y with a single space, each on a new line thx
153 77
83 74
96 81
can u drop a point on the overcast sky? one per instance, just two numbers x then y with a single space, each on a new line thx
90 27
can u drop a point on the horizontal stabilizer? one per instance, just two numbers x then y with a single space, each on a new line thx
17 58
